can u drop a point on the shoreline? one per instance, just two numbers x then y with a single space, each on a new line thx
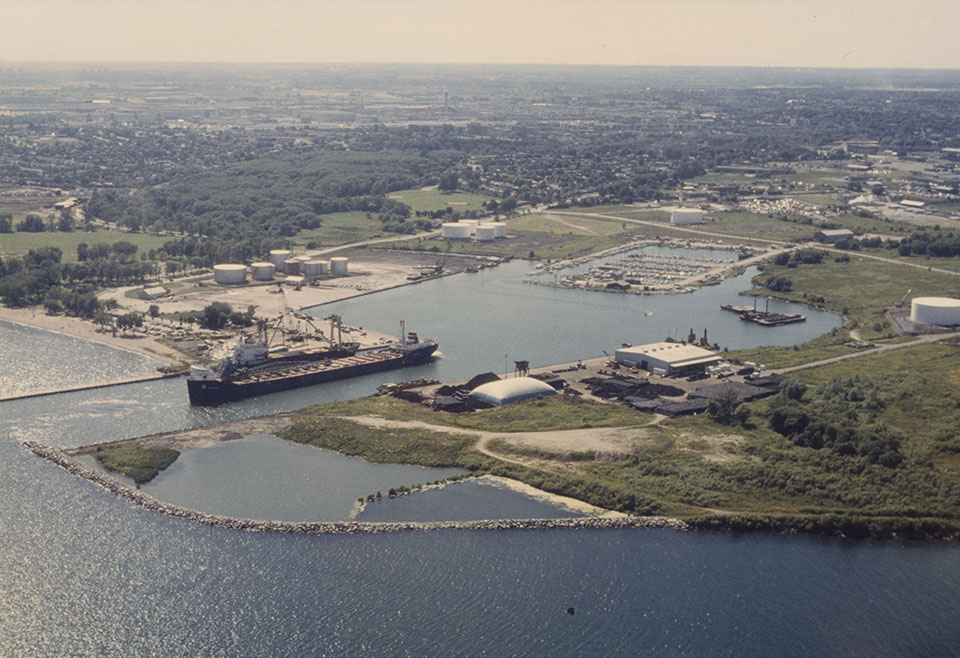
85 330
148 502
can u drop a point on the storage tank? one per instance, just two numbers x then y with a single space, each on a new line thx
277 256
472 223
686 216
501 228
229 273
313 268
338 266
263 271
486 233
291 266
304 259
455 231
942 311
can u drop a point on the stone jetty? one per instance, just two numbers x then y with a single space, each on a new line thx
62 459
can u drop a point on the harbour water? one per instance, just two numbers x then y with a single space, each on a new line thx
86 573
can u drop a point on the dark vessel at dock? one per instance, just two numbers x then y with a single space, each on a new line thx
765 318
252 370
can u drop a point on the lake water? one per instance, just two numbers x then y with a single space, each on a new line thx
86 573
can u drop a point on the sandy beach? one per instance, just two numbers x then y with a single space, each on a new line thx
146 345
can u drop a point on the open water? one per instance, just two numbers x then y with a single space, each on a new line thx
86 574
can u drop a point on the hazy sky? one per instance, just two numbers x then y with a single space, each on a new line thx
837 33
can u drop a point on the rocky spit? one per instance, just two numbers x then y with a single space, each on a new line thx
62 459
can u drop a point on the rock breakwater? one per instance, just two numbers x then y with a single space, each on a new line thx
146 501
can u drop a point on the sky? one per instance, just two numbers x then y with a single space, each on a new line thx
793 33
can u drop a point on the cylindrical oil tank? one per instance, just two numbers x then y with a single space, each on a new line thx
304 259
455 231
291 266
277 256
486 233
263 271
338 266
472 223
229 273
942 311
312 268
501 228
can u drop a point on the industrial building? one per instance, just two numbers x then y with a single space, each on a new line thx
940 311
338 266
508 391
668 359
686 216
832 236
153 292
230 274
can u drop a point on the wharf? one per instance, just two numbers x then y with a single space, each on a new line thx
90 387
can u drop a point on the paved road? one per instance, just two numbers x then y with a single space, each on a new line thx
932 338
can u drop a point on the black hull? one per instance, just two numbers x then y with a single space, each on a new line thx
214 392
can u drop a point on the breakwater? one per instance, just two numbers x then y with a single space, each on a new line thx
90 387
146 501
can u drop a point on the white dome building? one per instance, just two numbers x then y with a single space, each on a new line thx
508 391
941 311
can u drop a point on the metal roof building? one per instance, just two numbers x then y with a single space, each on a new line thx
667 358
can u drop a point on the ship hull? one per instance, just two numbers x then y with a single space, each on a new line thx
211 392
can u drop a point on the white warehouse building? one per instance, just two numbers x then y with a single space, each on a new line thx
941 311
686 216
666 358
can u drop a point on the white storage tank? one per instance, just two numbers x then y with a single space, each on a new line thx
263 271
472 223
486 233
229 273
455 231
942 311
500 227
686 216
313 268
277 256
304 259
338 266
291 266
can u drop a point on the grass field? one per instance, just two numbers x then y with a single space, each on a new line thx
136 462
20 243
342 228
433 199
861 288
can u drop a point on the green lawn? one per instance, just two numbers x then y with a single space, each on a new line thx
863 288
434 199
21 243
342 228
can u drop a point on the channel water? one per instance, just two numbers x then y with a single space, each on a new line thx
86 573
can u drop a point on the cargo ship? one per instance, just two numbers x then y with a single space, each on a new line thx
252 370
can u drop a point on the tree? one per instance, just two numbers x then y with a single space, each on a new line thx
82 249
31 224
727 409
6 223
449 182
215 315
154 311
